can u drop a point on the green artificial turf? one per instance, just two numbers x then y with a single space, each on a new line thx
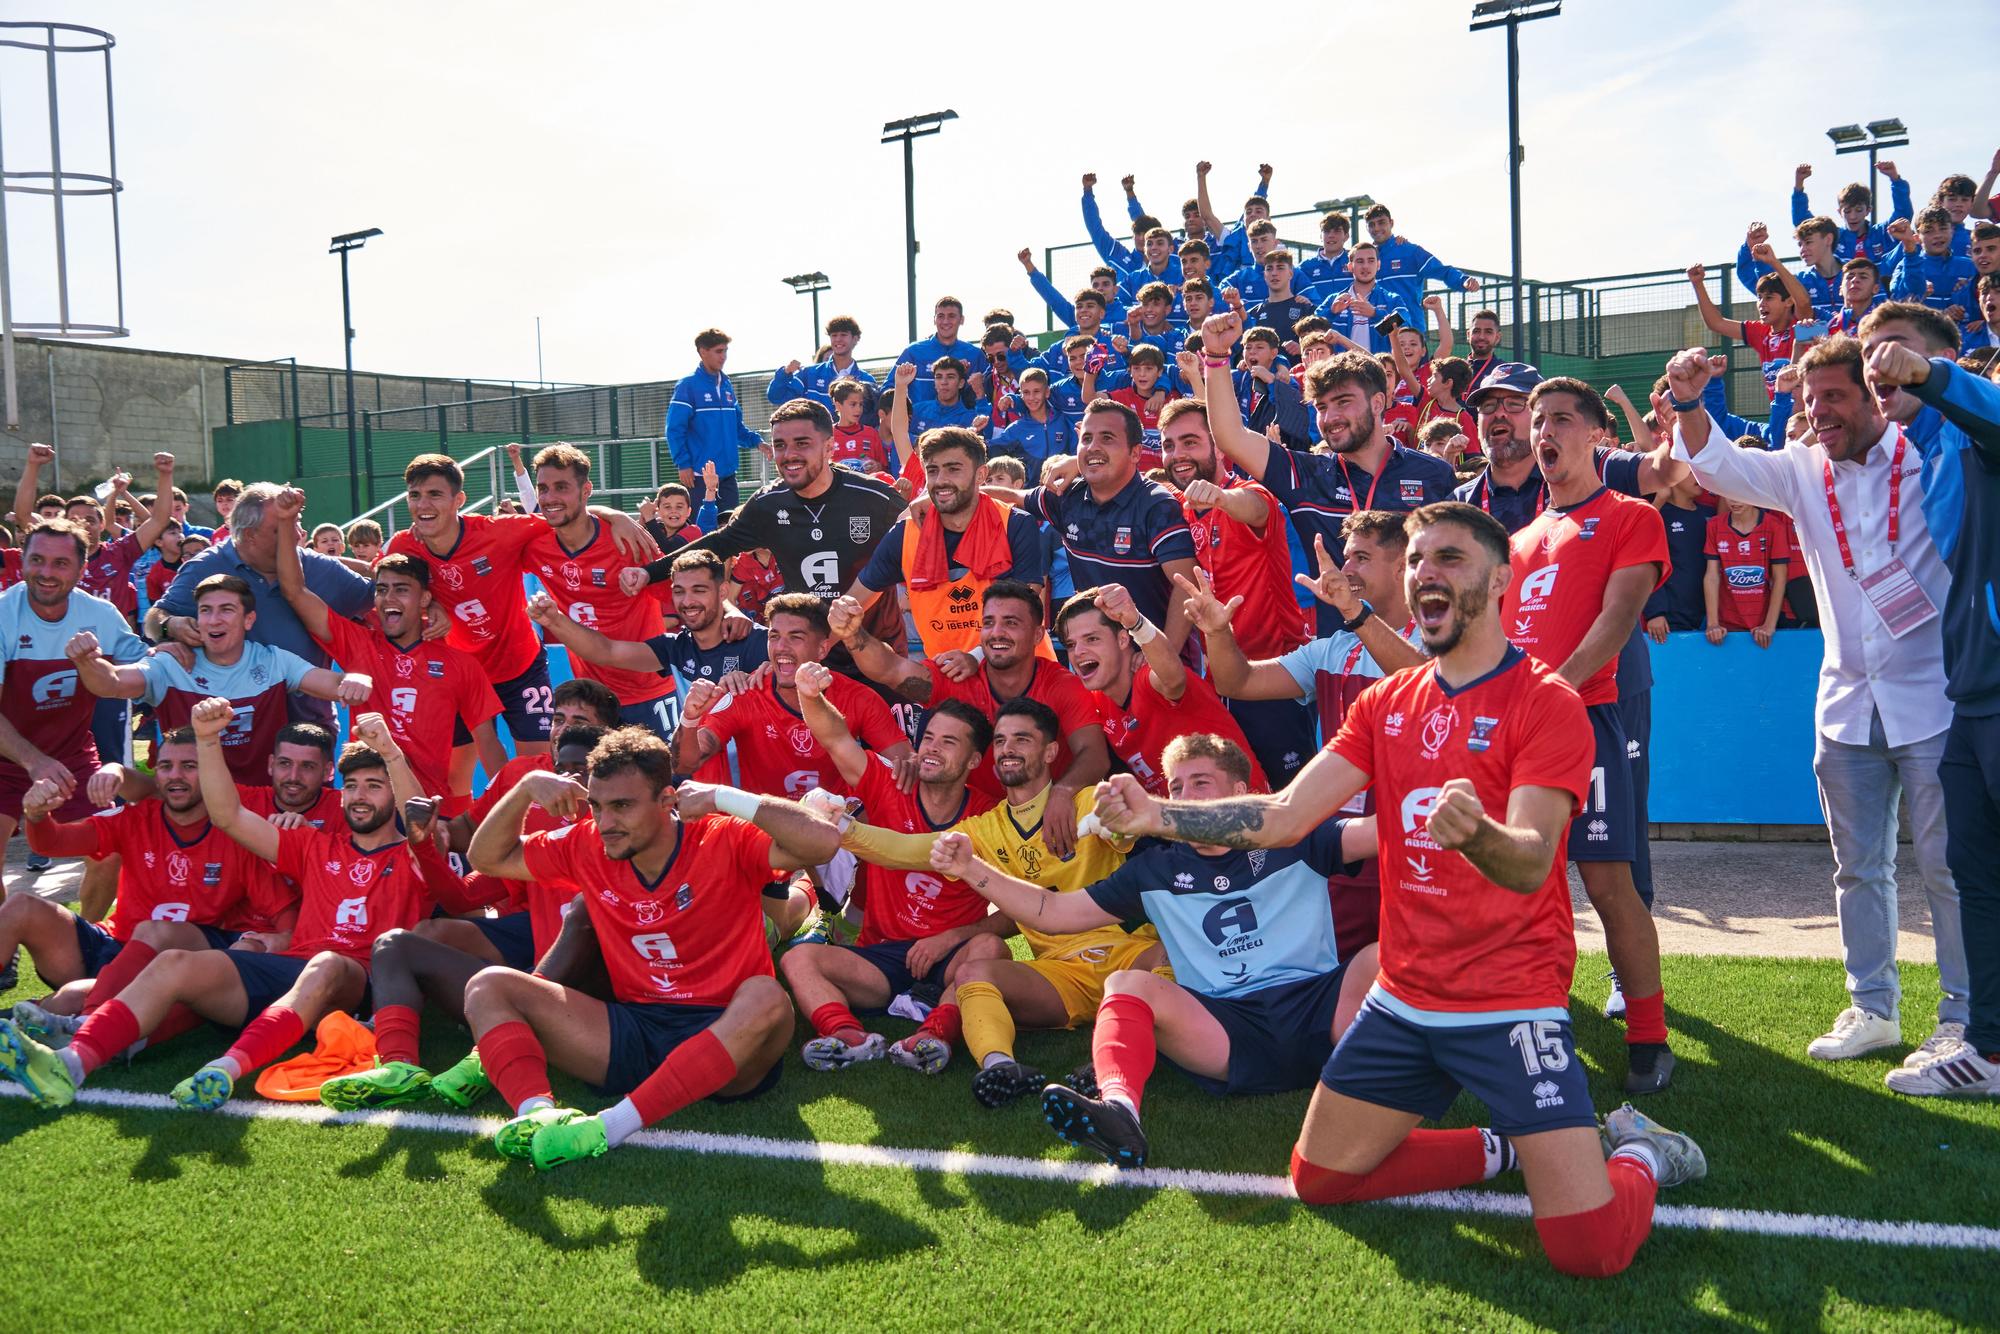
129 1217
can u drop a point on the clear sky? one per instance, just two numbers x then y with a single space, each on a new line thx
635 172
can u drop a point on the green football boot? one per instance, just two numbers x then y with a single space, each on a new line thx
204 1090
515 1138
36 1068
463 1084
568 1141
390 1085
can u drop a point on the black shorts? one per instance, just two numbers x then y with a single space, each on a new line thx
511 934
888 957
1279 1037
643 1036
527 702
1604 830
99 947
265 978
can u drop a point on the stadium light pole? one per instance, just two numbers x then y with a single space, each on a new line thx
342 245
1511 14
813 283
1870 139
906 132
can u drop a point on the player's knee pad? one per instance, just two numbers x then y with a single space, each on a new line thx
1314 1184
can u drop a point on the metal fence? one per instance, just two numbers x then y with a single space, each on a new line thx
283 390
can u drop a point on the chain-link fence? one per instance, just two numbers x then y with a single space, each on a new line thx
283 390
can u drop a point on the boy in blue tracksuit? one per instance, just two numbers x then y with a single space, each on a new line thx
1930 273
1122 257
1406 266
1820 268
1160 265
1232 244
815 381
946 317
1103 281
1320 270
1855 236
705 422
1194 227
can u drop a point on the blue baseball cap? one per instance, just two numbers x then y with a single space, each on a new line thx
1515 377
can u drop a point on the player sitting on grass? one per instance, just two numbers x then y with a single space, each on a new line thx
915 929
356 883
436 958
1062 985
673 884
1259 995
1478 948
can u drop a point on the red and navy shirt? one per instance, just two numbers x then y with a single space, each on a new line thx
1124 540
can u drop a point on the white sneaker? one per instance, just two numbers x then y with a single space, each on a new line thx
1614 1004
1957 1069
1943 1038
830 1053
1856 1033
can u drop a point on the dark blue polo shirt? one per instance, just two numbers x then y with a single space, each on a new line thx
1124 540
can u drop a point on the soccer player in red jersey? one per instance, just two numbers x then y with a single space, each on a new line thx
1583 570
775 749
358 882
1478 946
673 882
915 928
424 688
1141 707
579 562
1242 544
298 797
757 580
1010 628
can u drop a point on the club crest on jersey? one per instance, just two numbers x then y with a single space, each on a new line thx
683 898
1482 732
435 668
1438 725
572 573
859 527
361 873
1587 529
451 576
1411 489
481 565
597 578
178 867
801 738
1257 856
1121 541
648 911
211 873
405 665
258 675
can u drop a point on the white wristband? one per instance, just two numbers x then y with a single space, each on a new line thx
735 801
1144 632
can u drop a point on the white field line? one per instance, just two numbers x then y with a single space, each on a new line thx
1755 1222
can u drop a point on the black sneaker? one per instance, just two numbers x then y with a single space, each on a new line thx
1090 1123
1004 1081
1649 1067
10 976
1083 1079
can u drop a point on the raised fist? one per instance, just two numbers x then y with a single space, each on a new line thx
1200 493
43 796
1219 332
952 857
1264 172
1204 167
906 374
39 454
1697 274
812 679
1900 230
81 645
701 697
163 462
1758 233
354 689
1027 258
1888 168
1456 814
632 580
1125 182
1089 181
792 366
843 616
1892 363
211 718
1799 174
542 609
289 504
1471 284
1688 374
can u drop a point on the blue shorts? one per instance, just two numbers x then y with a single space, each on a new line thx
643 1036
511 934
527 702
888 957
1279 1037
658 716
265 978
99 947
1526 1071
1604 830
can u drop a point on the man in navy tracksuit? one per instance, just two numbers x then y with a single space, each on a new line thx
1962 509
705 422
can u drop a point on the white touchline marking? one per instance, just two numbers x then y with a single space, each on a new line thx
952 1162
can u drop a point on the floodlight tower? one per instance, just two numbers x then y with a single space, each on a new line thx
1871 139
1511 14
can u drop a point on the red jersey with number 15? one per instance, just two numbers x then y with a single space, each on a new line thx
421 691
1452 939
478 582
584 584
690 937
1563 562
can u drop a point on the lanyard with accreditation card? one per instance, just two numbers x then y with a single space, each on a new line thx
1892 590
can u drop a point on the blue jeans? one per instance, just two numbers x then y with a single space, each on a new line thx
1858 787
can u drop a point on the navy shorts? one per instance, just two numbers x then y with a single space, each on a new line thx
97 946
265 978
1526 1071
643 1036
888 957
527 701
511 934
658 716
1603 831
1279 1037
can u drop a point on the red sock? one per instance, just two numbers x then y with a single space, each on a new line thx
396 1028
1121 1047
692 1071
118 974
1646 1018
1600 1242
944 1021
515 1062
266 1038
106 1033
1427 1160
835 1020
179 1020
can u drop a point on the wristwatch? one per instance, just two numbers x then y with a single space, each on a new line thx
1353 623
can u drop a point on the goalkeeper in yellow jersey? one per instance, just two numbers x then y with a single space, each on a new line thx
1062 985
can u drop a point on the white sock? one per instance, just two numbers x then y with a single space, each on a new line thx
1499 1154
228 1066
995 1058
1640 1152
621 1122
534 1104
1113 1095
71 1062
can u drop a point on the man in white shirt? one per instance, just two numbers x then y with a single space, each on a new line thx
1855 491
